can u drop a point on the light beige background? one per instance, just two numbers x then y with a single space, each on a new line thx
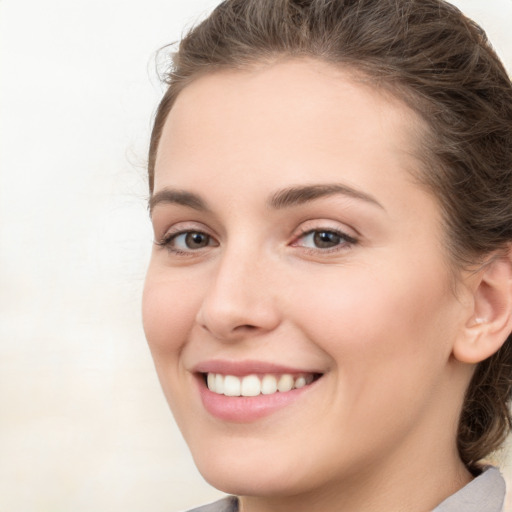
83 424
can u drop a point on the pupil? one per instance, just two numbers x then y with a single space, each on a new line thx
195 240
325 239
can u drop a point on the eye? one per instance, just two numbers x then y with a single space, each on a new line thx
324 239
187 241
191 240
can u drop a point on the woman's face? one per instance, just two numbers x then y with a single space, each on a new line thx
294 249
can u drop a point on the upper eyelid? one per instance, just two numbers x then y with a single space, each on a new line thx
186 226
327 225
305 227
305 231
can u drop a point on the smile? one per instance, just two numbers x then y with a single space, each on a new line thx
255 385
246 391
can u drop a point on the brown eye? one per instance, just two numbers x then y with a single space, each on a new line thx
326 239
196 240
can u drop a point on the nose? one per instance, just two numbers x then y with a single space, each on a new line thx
240 300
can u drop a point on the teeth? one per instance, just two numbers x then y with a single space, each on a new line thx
252 385
300 382
219 384
232 385
268 385
285 383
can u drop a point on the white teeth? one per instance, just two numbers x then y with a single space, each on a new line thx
300 382
268 385
252 385
285 383
232 385
211 381
219 384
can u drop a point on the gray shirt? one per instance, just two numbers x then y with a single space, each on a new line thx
486 493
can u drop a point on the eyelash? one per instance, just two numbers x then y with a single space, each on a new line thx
345 241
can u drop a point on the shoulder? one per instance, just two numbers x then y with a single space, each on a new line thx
228 504
486 493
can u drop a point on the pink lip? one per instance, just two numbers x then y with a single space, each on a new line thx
246 409
246 367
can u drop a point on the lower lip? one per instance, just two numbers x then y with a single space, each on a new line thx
241 409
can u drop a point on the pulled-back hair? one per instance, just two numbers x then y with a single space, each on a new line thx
440 63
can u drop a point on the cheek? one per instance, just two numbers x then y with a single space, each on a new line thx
168 313
388 344
376 323
169 308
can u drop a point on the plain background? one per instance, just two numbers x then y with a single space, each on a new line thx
83 423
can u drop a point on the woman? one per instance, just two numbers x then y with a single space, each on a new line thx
329 296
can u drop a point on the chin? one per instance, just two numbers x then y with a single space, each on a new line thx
251 484
245 475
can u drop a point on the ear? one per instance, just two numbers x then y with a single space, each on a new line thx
490 321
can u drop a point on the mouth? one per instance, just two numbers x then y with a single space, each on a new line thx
249 390
254 385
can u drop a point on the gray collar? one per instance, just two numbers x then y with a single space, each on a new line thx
486 493
228 504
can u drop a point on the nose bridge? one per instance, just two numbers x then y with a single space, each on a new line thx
239 300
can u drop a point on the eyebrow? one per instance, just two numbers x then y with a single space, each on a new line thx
286 198
181 197
294 196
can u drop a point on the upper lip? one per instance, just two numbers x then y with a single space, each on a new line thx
247 367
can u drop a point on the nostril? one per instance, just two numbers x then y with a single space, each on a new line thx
246 327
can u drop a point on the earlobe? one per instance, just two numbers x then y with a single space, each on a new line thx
490 321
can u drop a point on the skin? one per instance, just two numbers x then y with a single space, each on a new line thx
378 317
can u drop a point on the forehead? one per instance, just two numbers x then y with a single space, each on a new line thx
285 116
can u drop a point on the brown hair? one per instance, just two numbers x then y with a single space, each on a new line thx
440 63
